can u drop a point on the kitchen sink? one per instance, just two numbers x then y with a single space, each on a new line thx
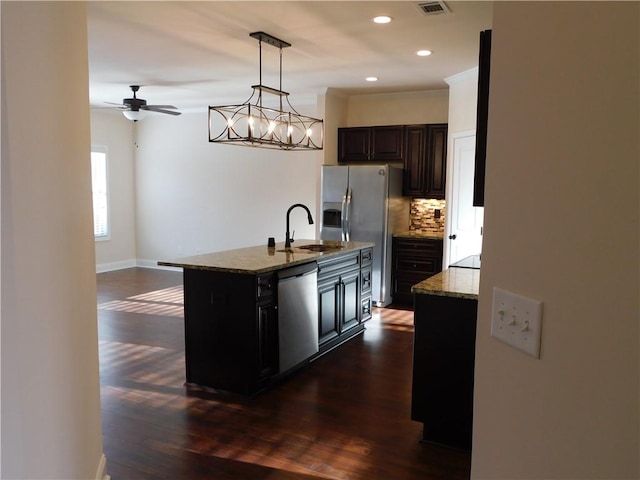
318 247
314 247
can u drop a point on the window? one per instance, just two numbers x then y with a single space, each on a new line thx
100 193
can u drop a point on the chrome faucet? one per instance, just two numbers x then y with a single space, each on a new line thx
288 239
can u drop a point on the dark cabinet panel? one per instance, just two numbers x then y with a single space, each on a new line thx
437 161
354 144
443 368
230 338
388 143
329 327
415 162
267 330
350 285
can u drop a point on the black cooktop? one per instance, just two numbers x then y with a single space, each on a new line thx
472 261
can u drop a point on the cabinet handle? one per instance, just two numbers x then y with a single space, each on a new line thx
453 237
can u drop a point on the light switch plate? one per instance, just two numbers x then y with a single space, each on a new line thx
517 321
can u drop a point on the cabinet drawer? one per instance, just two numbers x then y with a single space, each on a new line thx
266 285
417 264
367 256
365 281
423 245
365 312
339 265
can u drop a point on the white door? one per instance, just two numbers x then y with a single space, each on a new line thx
464 232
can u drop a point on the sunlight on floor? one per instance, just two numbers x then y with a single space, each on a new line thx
167 302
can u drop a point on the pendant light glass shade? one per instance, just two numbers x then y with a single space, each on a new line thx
255 125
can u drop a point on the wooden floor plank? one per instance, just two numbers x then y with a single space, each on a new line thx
344 417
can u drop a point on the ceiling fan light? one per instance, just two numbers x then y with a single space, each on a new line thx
134 115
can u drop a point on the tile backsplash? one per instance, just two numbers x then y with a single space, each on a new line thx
423 216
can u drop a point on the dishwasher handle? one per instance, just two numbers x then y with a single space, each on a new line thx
298 271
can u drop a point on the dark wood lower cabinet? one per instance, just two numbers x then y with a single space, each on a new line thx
413 260
443 368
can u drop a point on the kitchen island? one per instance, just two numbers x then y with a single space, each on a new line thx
235 310
445 311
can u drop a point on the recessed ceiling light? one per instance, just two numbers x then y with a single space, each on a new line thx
371 79
423 53
382 19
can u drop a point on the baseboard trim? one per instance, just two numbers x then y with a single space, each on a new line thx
109 267
143 263
102 468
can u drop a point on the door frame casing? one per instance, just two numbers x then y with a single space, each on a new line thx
448 225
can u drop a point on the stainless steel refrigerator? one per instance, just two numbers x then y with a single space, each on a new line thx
365 204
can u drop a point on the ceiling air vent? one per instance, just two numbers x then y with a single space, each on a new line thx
433 8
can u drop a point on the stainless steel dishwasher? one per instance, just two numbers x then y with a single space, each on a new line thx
297 314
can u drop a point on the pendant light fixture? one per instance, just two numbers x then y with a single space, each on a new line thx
253 124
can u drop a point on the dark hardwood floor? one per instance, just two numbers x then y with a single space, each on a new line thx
345 416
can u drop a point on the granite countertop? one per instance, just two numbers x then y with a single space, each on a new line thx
418 234
262 259
453 282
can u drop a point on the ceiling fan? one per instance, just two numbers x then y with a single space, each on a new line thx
135 108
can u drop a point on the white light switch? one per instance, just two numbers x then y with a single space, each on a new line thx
517 321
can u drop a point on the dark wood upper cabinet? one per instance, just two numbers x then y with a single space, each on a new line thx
354 144
388 143
437 160
484 69
425 161
422 149
415 162
371 144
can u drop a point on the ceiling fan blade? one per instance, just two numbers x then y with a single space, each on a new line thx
159 106
117 104
152 108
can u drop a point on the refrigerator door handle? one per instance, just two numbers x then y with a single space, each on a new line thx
347 229
343 217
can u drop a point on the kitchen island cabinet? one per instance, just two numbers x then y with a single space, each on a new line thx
445 313
344 297
232 316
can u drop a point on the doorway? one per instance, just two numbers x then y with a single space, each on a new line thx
464 221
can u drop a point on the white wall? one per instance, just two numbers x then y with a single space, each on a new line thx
562 226
193 196
398 108
51 425
335 115
463 97
112 130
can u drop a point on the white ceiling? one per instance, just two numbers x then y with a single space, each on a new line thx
194 54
